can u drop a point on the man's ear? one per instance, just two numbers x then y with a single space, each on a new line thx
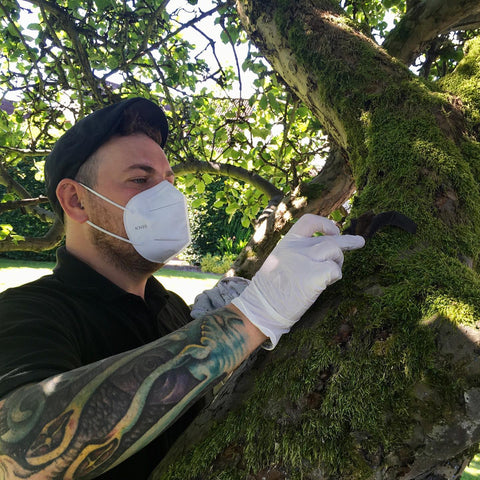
70 194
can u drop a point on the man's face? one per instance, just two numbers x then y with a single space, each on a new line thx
126 166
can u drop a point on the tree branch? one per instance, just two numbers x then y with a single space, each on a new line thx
153 18
24 152
427 19
13 186
227 170
154 46
81 55
35 244
25 44
23 203
60 70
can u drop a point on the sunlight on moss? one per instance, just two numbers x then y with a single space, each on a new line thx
455 310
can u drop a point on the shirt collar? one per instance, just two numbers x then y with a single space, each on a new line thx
83 278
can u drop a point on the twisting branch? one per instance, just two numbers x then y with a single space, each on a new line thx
287 122
215 56
227 170
424 21
171 102
237 63
24 42
58 43
154 46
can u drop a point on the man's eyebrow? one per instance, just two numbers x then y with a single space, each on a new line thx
148 169
140 166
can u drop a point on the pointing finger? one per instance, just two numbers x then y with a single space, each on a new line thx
348 242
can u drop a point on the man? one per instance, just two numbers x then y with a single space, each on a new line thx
98 363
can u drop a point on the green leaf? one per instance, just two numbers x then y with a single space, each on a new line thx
73 4
273 102
200 187
207 178
5 230
245 222
197 203
17 238
8 197
190 180
263 102
336 215
232 208
224 37
102 5
12 30
234 34
112 62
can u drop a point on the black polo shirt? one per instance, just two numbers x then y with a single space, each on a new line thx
75 317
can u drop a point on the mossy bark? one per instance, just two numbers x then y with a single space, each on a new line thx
381 379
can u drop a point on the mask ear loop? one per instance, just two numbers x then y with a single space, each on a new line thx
111 203
107 232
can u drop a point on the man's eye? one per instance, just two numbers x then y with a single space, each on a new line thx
139 180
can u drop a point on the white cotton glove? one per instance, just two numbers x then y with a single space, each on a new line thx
299 268
220 295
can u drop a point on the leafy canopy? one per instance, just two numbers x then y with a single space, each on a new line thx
61 60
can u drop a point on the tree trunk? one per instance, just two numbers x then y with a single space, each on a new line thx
381 378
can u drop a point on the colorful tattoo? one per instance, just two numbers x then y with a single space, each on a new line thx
88 420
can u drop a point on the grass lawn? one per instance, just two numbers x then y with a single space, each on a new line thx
472 472
187 284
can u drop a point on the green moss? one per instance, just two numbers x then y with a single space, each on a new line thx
340 80
456 311
311 190
343 388
402 161
464 82
413 167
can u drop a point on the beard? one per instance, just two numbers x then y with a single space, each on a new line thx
120 254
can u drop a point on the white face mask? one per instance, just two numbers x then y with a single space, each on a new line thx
156 222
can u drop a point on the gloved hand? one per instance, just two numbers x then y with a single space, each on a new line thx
299 268
220 295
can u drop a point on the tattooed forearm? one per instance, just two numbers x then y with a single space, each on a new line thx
81 423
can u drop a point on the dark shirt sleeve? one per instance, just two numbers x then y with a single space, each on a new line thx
34 345
175 315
